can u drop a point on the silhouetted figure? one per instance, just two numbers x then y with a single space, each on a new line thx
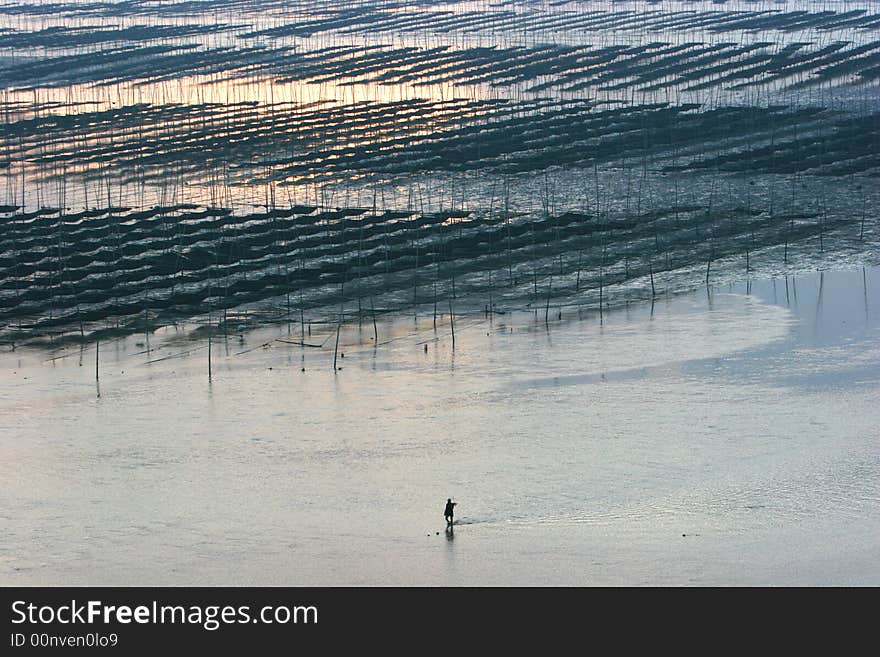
449 510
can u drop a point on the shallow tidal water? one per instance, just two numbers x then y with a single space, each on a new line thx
723 437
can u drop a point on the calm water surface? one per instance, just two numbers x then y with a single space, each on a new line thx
726 437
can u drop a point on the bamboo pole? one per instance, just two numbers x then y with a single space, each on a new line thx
452 322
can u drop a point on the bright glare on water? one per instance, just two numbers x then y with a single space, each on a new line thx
723 438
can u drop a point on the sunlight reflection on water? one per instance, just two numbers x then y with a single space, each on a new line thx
670 445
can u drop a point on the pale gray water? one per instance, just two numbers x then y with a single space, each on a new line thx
729 439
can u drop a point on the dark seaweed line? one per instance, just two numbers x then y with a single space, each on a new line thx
401 139
444 245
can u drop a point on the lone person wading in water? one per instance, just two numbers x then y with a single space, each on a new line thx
449 510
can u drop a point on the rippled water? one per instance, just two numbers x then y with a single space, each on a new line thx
722 437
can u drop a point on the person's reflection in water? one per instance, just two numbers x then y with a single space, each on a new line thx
450 533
